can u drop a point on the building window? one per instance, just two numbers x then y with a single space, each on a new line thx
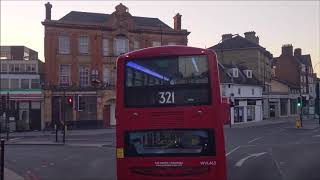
4 83
22 67
252 91
64 45
120 45
249 74
136 45
16 68
4 55
84 75
4 67
156 43
64 75
11 67
251 113
25 84
235 72
113 76
14 84
83 45
33 67
35 83
239 91
90 108
105 47
106 75
283 107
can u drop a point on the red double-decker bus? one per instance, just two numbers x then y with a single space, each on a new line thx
170 115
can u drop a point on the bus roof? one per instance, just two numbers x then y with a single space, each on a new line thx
166 50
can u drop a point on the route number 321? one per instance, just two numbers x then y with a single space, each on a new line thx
166 97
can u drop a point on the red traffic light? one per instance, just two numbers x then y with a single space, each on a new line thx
69 100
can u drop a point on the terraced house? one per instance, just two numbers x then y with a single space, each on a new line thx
234 49
80 54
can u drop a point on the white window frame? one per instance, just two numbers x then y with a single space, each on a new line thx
32 82
65 77
64 44
106 74
83 44
249 74
156 43
84 75
235 72
18 83
136 45
121 45
105 47
28 83
4 67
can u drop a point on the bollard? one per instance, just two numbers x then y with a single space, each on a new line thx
298 123
2 159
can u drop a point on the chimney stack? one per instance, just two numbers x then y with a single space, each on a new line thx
297 52
251 36
226 36
287 50
48 10
177 22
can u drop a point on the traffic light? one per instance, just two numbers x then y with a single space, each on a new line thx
81 103
70 101
299 102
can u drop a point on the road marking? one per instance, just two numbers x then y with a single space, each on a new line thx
241 161
14 139
232 150
316 135
255 139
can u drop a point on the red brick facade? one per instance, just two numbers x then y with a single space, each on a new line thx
140 30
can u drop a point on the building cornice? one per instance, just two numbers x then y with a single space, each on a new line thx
101 27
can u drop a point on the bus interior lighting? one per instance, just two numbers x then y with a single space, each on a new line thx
146 70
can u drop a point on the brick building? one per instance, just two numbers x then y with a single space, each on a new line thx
82 47
246 51
295 68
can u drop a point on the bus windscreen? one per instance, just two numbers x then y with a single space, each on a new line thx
165 81
172 142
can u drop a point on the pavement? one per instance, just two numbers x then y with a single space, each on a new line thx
52 133
307 123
